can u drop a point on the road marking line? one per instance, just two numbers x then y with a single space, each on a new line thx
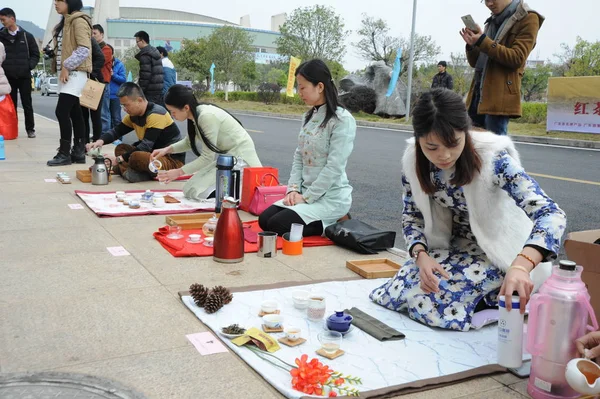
411 133
565 179
43 117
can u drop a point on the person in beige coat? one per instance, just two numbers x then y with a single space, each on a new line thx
4 86
213 128
72 60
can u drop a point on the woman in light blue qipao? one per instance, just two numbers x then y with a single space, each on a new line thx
475 223
318 193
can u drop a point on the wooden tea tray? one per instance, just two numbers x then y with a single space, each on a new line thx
374 268
85 176
190 221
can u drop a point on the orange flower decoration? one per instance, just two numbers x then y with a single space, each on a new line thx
310 377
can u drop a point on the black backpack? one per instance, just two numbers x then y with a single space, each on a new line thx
97 62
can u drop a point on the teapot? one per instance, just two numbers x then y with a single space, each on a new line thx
339 321
101 171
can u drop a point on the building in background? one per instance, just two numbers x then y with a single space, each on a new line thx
168 28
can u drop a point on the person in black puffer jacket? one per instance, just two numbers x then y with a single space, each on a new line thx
152 75
97 65
22 56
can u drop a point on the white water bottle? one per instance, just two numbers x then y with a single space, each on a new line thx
510 333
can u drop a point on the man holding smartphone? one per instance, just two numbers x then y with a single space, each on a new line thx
499 53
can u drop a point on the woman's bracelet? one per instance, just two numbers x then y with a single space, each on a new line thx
518 267
528 258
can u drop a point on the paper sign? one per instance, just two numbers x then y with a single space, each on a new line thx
50 180
118 251
75 206
206 343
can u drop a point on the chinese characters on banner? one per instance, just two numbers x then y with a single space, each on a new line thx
294 63
574 104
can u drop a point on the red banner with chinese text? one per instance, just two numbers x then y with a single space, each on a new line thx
574 104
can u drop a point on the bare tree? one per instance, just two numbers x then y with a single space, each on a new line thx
376 44
461 72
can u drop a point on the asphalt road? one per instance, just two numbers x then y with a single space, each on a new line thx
374 169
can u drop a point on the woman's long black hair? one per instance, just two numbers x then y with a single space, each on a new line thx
442 112
179 96
316 71
73 5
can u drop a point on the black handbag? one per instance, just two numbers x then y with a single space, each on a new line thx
360 237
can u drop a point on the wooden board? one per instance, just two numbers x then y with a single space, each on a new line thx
287 342
190 221
85 176
330 356
374 268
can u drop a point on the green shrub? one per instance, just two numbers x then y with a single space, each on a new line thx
533 113
291 100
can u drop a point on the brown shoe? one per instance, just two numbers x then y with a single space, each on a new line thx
345 217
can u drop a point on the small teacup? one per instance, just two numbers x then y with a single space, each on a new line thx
119 193
292 333
134 204
121 197
195 237
158 202
155 166
269 306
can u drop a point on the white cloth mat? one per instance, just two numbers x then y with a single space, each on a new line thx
106 204
424 353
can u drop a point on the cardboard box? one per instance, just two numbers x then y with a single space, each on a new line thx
581 249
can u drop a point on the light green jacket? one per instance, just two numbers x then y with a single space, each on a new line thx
225 133
319 168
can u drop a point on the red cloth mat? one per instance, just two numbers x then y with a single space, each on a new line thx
181 248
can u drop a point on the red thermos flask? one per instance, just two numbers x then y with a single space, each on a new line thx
229 235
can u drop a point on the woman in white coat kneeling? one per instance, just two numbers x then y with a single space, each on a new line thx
475 223
318 191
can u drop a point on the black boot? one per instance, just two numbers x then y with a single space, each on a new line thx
78 151
63 157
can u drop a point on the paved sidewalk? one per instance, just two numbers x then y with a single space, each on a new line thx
67 305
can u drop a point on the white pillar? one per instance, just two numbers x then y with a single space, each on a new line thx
53 19
104 10
412 59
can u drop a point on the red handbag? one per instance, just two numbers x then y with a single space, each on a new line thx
252 178
265 196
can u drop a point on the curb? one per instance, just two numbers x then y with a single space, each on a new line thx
409 129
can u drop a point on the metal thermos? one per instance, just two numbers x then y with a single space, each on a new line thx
101 171
267 244
229 235
228 180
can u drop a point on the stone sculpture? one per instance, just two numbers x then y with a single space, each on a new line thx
367 92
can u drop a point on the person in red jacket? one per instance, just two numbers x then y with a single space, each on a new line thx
108 51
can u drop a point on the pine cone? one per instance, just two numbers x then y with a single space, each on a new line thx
199 293
213 303
224 293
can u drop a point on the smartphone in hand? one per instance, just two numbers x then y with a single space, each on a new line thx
470 23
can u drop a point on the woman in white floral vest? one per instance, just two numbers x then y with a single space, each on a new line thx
475 223
318 189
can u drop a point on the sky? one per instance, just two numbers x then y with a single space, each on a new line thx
565 20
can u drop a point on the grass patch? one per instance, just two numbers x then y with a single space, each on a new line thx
517 129
539 129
